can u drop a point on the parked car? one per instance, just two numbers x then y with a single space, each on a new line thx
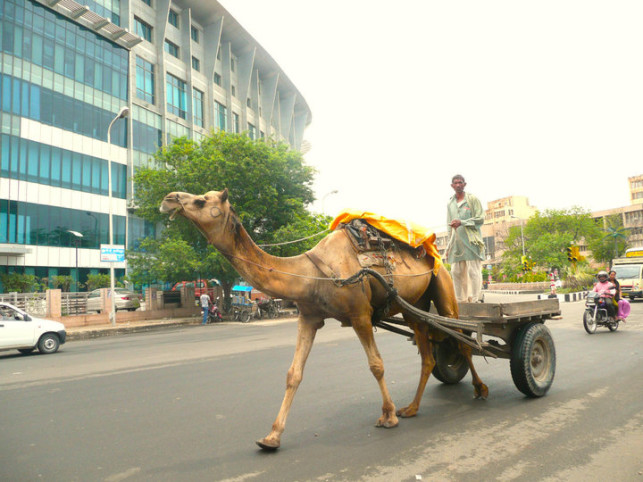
125 300
23 332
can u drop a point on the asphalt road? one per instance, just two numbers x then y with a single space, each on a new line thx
188 403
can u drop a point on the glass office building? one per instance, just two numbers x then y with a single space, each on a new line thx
66 69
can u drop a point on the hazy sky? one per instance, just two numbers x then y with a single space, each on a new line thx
540 99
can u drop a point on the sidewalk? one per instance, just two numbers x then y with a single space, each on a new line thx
76 333
88 332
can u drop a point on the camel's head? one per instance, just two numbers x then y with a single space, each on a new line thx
210 212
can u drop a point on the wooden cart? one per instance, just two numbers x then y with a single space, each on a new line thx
515 331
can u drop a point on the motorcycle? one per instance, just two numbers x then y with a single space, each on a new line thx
596 314
214 314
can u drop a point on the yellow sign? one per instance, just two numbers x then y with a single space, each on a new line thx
634 254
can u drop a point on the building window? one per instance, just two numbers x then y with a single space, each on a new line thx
147 2
194 33
171 48
176 96
219 53
220 116
235 123
217 79
144 80
173 18
249 102
143 29
252 131
232 64
233 91
197 101
196 64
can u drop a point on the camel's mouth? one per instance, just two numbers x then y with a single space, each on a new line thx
169 206
175 212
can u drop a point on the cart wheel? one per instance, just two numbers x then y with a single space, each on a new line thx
589 323
450 365
246 316
533 360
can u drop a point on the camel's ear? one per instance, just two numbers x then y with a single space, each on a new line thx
224 195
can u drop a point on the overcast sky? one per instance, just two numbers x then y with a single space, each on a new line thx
540 99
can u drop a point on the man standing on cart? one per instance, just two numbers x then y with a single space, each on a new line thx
465 248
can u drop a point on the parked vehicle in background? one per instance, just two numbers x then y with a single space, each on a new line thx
629 273
200 286
125 300
23 332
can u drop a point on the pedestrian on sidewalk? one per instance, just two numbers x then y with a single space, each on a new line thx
205 306
465 250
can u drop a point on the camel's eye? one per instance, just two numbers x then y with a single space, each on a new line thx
199 202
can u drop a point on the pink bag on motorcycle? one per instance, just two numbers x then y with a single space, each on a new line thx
623 308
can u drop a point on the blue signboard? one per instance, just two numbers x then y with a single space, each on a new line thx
112 253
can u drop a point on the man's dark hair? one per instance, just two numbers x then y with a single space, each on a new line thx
458 176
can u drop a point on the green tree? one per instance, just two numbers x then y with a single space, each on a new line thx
18 282
613 241
95 281
63 282
547 235
269 185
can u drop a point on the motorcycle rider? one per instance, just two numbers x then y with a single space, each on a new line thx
606 290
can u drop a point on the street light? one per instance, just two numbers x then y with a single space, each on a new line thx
522 234
77 235
121 114
334 191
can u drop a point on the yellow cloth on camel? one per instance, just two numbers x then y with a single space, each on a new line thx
408 232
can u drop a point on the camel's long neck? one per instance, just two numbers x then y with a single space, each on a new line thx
275 276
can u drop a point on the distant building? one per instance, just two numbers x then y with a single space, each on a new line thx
636 189
181 67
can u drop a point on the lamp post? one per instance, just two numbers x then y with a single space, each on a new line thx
334 191
121 114
78 236
522 234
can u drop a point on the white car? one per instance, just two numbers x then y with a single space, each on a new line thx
23 332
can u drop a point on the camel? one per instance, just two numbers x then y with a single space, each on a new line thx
304 279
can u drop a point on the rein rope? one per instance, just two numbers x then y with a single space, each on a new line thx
295 241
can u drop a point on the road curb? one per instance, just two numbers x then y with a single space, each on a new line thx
567 297
88 334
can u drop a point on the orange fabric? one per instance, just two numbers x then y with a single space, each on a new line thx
410 233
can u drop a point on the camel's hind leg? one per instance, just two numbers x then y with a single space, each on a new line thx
480 390
425 347
442 293
307 329
364 330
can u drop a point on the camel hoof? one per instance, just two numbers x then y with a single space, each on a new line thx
268 446
481 392
387 423
406 413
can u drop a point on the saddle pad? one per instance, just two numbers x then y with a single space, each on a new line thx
410 233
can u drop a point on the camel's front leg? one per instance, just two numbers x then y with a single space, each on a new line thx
428 362
364 330
306 332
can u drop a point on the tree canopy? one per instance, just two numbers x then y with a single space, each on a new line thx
547 235
269 185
